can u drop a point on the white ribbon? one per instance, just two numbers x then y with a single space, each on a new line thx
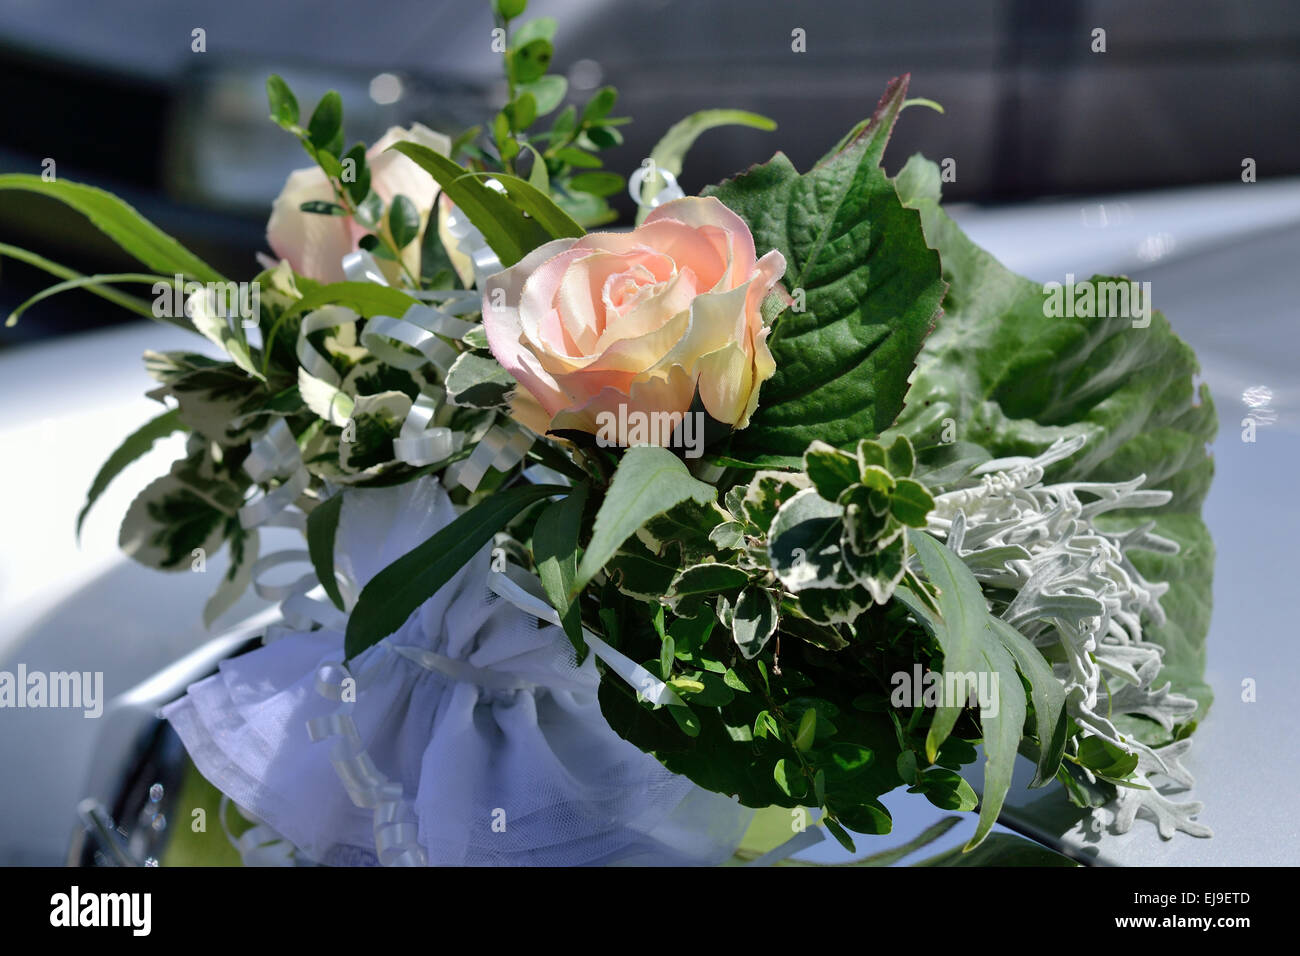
503 447
396 828
646 684
470 242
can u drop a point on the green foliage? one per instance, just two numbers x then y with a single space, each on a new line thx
322 526
555 552
134 447
670 152
569 144
649 482
840 545
870 284
138 237
1013 380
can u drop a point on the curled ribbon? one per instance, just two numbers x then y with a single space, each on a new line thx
396 829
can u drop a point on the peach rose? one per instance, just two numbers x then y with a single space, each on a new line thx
314 244
636 321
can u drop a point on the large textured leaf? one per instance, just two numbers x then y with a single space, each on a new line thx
1013 380
870 285
135 234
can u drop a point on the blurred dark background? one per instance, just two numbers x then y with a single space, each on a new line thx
112 91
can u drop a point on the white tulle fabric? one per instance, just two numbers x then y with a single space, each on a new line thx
532 775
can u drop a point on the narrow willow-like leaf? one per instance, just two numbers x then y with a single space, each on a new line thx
534 201
395 592
117 220
134 447
670 152
1047 695
128 302
322 525
555 552
961 627
510 233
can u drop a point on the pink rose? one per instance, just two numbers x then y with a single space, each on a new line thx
636 322
315 244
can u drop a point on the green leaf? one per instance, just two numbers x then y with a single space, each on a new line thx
960 626
831 470
395 592
841 835
910 502
87 282
804 736
284 105
537 204
542 28
510 233
320 207
871 286
509 9
171 526
555 553
601 137
529 62
700 580
790 778
1047 695
1104 758
601 102
804 543
597 183
907 767
1015 380
478 381
577 157
946 790
564 124
322 525
649 481
326 121
754 621
136 445
538 177
669 153
969 646
357 184
369 211
522 111
403 221
137 236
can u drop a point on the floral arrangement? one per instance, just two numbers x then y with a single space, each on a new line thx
807 493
